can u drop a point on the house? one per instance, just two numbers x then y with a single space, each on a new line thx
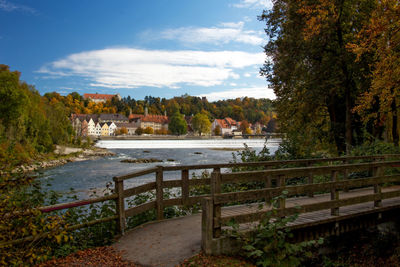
97 98
97 131
104 129
157 122
111 128
113 117
232 123
92 127
227 125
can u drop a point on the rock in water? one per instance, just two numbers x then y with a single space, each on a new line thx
149 160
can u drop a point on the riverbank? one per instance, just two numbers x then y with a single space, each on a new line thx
63 155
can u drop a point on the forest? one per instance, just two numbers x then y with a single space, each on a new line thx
250 109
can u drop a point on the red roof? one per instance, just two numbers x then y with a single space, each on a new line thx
135 116
98 96
155 118
149 118
231 121
222 123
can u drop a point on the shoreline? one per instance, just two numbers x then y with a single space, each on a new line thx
65 155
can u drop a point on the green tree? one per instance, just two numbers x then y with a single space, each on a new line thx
177 124
201 123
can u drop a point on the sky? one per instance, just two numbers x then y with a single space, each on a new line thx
160 48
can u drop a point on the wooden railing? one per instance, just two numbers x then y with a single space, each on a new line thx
213 221
184 183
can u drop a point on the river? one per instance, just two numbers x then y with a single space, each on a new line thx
86 177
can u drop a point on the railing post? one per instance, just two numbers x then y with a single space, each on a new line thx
207 224
310 179
120 205
377 187
281 182
185 186
268 184
346 175
159 193
334 193
216 189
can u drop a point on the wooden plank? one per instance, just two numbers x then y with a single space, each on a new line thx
120 206
216 189
334 193
159 193
377 186
185 186
207 226
172 183
274 163
281 183
251 217
139 189
135 174
78 203
300 189
296 172
141 208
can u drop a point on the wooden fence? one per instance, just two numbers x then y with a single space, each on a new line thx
213 221
184 183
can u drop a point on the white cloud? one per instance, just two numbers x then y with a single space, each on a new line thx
9 7
247 75
266 4
255 92
131 68
224 33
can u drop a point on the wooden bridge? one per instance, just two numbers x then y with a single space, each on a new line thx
331 196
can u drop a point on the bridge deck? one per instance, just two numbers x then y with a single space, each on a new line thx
169 242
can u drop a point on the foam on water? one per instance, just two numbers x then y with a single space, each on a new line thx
159 144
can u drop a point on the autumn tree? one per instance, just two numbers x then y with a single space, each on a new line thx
148 130
315 77
244 127
217 130
201 123
380 39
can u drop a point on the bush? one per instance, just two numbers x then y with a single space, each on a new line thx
268 243
139 131
148 130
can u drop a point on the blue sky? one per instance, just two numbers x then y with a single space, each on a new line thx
162 48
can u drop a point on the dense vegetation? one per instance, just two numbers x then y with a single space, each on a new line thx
253 110
29 123
334 67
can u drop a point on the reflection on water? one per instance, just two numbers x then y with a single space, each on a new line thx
86 176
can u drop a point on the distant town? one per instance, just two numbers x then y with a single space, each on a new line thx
116 124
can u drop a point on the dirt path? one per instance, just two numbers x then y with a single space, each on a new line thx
165 243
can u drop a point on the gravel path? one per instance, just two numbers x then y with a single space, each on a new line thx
165 243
